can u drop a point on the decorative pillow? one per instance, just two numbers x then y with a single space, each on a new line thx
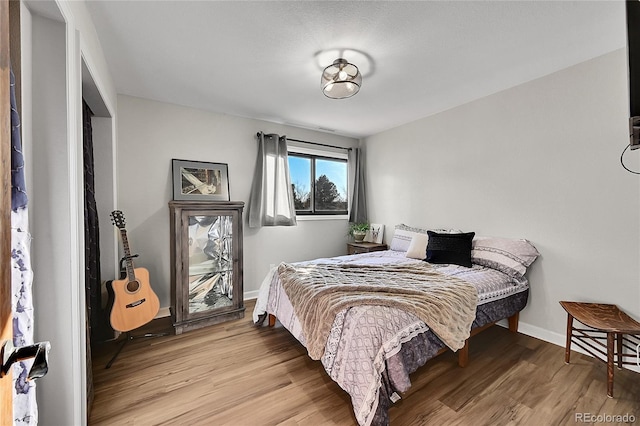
402 237
401 240
450 248
511 256
418 247
447 231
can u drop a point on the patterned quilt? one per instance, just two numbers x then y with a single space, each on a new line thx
381 330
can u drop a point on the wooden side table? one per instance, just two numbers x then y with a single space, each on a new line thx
357 248
606 322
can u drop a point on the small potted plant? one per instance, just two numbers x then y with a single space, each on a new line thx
358 230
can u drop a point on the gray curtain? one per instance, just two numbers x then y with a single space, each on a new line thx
358 212
271 202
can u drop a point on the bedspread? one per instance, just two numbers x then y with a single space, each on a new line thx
361 341
319 292
371 376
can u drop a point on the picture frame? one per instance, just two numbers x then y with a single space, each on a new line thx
200 181
375 234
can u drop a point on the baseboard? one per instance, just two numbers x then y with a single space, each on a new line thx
163 312
553 337
248 295
166 311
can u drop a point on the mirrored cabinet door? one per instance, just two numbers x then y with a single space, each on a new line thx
206 263
210 270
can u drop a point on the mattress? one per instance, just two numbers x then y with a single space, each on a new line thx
491 285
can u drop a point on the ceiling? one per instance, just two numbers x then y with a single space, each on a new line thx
264 59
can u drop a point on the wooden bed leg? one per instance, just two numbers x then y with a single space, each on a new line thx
463 354
272 320
513 322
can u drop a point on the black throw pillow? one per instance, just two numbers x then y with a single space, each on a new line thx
450 248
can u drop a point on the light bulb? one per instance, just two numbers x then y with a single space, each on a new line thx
342 75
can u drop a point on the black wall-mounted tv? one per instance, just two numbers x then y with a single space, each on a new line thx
633 50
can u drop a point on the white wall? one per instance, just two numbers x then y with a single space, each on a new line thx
538 161
151 134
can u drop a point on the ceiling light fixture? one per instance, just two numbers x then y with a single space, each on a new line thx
340 80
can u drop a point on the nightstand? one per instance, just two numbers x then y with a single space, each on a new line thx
357 248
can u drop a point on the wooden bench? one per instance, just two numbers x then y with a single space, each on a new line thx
607 323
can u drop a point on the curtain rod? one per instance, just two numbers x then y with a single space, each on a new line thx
315 143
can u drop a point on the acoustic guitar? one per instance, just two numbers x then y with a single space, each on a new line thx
134 303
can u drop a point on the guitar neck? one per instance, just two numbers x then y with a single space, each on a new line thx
127 255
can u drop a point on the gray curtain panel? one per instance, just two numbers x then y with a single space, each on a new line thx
358 201
271 202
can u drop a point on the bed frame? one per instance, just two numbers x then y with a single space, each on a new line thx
463 354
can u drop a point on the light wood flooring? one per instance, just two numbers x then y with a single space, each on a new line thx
237 374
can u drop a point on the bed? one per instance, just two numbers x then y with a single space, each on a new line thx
368 320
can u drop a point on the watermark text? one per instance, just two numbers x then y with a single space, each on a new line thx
604 418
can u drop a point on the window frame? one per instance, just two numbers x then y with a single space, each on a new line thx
313 154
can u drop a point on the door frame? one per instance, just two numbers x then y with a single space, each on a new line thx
62 37
56 250
6 325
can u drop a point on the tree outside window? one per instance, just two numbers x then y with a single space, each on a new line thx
326 193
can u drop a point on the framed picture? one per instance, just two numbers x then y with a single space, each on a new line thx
375 233
200 181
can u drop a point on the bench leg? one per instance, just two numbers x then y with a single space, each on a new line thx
610 352
567 347
619 349
272 320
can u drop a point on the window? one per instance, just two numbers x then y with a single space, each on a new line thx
319 182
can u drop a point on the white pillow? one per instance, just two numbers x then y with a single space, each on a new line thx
418 247
401 240
402 236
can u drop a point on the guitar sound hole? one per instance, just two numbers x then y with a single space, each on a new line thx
133 286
